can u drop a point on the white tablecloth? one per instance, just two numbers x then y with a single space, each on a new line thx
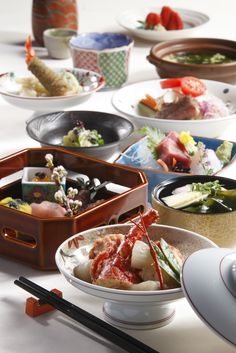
54 332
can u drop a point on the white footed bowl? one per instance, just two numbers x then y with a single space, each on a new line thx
126 308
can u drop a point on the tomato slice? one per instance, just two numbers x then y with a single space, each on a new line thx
192 86
170 83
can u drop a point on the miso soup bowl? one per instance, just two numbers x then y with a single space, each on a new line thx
218 227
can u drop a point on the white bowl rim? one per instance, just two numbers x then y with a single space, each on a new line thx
113 291
170 121
101 84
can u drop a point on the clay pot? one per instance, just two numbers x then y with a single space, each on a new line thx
216 72
53 14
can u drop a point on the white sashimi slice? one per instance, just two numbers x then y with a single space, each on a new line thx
184 199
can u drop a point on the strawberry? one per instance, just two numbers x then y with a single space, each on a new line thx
179 21
175 21
165 15
152 19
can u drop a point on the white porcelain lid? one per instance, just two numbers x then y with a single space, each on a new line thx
209 284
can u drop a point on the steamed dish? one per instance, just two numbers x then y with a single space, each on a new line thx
209 197
184 98
79 136
179 152
129 261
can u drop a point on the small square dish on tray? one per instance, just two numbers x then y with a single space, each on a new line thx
33 238
204 161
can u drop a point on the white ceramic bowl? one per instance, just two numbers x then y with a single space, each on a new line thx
89 80
193 21
124 308
56 40
126 101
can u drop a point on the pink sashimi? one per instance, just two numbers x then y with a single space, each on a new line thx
170 149
47 209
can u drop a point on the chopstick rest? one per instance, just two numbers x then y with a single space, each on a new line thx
35 307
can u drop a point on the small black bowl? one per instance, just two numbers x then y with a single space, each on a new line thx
49 129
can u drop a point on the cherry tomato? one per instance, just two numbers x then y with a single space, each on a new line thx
170 83
192 86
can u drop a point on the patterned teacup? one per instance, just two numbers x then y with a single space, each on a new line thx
105 53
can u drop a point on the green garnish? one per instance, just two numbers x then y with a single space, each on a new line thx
210 187
203 58
224 152
164 264
170 256
154 137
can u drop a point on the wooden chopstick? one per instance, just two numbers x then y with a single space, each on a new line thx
111 333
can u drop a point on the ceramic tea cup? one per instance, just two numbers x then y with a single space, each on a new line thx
56 40
105 53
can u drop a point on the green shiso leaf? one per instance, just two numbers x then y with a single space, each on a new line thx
154 137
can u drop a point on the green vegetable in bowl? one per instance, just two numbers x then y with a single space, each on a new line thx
209 197
81 137
224 152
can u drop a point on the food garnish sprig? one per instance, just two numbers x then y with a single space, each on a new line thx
65 200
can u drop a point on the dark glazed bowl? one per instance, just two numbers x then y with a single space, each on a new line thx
216 72
49 129
218 227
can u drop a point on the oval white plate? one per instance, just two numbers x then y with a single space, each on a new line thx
89 80
193 20
126 101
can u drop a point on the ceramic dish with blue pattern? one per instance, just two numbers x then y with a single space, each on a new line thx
106 53
140 157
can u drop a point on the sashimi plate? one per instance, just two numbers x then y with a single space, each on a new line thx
133 156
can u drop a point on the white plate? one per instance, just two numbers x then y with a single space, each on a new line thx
193 21
90 81
126 101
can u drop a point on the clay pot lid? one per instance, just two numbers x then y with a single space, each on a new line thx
209 283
